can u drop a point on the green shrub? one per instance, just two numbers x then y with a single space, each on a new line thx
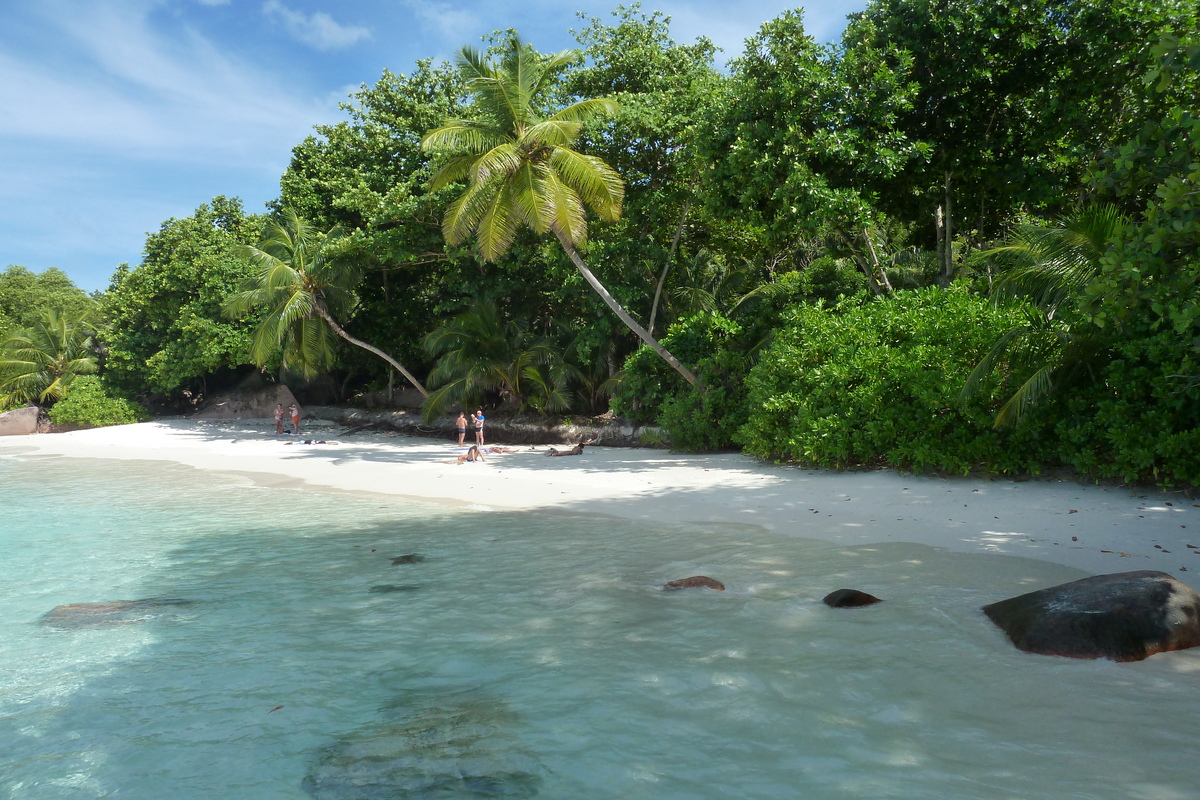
88 403
1140 422
878 383
649 383
694 420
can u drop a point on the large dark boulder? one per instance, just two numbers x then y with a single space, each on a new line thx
1126 616
849 598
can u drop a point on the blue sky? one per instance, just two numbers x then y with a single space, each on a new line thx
116 115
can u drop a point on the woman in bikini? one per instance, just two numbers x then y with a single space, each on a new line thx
474 454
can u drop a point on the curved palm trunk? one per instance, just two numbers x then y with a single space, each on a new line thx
629 321
320 309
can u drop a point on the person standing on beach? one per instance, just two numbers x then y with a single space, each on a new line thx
278 418
460 425
295 418
478 418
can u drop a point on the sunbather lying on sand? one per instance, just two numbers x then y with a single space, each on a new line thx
577 450
495 449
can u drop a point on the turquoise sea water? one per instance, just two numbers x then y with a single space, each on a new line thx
527 655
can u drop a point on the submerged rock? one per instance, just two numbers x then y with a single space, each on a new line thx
696 582
388 588
115 612
463 750
409 558
1125 616
849 598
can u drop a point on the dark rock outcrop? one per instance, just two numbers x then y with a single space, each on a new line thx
606 432
696 582
253 403
115 612
849 598
1125 616
19 421
462 750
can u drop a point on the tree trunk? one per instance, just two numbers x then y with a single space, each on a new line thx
948 251
320 309
941 242
882 276
670 257
629 321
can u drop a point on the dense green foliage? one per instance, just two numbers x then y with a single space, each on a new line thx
479 353
26 296
165 327
833 239
91 404
868 384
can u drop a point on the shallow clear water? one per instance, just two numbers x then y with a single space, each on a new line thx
534 652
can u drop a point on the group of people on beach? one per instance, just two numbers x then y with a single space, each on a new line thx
293 411
475 452
477 420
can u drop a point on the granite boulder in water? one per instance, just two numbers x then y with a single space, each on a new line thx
114 612
1125 616
696 582
849 598
456 751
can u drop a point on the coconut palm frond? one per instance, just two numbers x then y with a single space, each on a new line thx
597 184
560 183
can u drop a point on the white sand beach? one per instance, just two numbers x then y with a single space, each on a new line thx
1097 529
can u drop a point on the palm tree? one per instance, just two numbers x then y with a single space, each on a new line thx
520 167
1053 264
304 285
39 363
477 353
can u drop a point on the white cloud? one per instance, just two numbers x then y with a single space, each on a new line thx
320 30
448 21
118 86
213 2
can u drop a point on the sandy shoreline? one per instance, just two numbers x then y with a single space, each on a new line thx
1057 521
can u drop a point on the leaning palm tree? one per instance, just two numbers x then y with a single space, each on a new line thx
521 170
39 363
305 286
1050 265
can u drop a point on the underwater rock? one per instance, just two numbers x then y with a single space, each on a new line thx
461 751
388 588
696 582
410 558
115 612
849 598
1125 616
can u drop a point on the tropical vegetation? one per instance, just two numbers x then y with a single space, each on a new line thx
963 236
